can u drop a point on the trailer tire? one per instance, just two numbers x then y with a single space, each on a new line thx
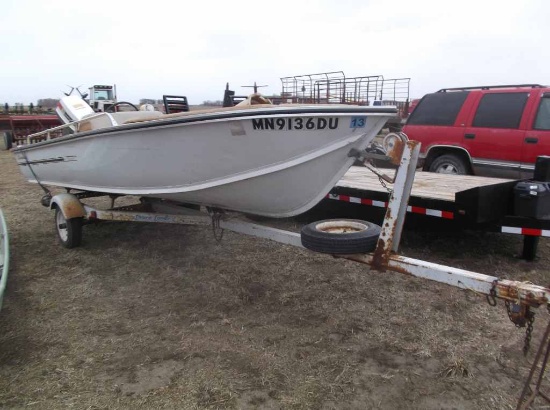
69 231
340 236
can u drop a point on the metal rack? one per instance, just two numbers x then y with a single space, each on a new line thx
335 88
310 88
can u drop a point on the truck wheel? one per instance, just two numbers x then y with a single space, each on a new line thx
340 236
69 231
449 164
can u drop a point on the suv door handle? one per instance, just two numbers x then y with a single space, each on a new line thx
531 140
469 136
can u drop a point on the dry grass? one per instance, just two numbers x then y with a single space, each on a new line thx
157 316
457 367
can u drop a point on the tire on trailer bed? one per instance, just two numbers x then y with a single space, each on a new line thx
340 236
69 231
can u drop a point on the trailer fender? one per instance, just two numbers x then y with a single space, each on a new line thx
69 205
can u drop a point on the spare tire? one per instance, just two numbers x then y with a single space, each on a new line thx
340 236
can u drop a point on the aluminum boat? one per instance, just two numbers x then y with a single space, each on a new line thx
263 159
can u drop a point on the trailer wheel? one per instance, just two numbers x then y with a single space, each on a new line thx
69 231
340 236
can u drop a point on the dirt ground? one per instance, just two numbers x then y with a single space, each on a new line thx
160 316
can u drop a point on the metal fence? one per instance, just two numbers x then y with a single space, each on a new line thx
335 88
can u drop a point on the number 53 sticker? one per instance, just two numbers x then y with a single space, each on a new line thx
358 122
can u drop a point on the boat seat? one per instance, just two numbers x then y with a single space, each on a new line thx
126 117
254 99
104 121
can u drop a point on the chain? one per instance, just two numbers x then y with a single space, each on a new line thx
529 331
369 164
383 183
522 318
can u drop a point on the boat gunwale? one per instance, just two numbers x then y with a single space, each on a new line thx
247 113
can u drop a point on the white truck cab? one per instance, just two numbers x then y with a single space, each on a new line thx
102 97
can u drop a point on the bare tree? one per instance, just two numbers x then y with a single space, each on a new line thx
217 103
46 103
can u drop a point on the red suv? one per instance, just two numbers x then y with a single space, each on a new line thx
492 131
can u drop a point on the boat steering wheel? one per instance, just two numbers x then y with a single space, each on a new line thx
110 109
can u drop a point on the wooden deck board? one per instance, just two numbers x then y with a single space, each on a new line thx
426 184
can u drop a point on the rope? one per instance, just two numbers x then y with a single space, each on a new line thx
46 190
45 200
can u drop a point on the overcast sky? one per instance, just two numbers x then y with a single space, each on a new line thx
151 48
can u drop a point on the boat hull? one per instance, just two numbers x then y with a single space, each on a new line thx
275 163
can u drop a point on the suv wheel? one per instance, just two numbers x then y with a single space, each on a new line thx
449 164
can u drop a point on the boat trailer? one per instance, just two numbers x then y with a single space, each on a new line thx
520 298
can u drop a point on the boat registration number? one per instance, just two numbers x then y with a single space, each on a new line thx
296 123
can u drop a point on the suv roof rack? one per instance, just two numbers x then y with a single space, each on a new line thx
489 87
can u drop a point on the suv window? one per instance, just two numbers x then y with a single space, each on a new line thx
500 110
542 122
438 109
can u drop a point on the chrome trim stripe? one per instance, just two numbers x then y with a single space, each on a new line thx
503 164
